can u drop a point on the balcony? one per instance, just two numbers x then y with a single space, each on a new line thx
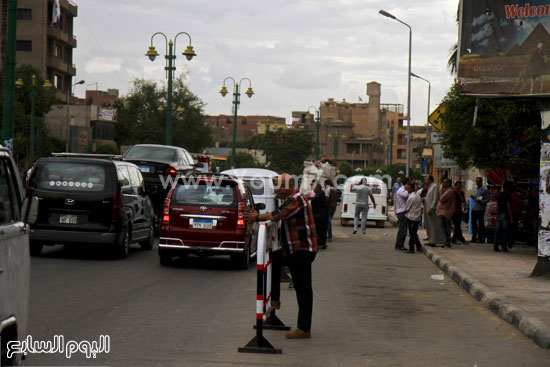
58 34
60 65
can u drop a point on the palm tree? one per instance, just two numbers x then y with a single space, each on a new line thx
451 63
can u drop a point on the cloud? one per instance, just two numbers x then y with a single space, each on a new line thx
103 65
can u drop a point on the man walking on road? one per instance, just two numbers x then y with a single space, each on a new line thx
363 193
481 198
401 197
299 242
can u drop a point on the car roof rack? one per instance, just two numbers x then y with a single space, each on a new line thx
88 155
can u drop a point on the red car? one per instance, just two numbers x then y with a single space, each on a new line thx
204 215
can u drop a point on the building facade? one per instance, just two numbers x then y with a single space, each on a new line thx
45 42
247 126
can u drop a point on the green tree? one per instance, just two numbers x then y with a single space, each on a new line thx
242 160
285 150
45 99
141 120
346 169
506 133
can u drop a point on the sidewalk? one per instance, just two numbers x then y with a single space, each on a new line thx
501 282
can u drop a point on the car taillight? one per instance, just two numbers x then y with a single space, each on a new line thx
383 209
117 206
170 171
166 212
240 218
346 207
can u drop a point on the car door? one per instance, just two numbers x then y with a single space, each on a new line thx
141 215
126 192
14 248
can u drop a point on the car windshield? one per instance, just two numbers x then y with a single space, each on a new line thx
256 186
153 153
71 176
206 193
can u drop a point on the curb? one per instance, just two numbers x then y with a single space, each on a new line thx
533 327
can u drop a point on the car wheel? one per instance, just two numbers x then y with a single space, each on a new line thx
242 261
147 244
165 259
35 248
123 249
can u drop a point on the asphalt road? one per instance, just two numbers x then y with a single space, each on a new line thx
372 307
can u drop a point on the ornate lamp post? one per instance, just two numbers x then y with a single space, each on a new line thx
317 126
428 115
236 101
34 87
386 14
335 143
69 92
152 53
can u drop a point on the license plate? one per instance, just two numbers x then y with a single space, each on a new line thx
203 224
68 219
145 169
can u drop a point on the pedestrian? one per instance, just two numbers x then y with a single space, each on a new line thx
413 208
332 197
401 197
481 198
516 207
363 193
460 199
504 217
299 243
445 210
319 206
431 222
396 186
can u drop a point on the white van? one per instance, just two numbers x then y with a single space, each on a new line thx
379 191
261 185
14 260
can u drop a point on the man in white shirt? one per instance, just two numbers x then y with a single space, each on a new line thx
401 197
413 208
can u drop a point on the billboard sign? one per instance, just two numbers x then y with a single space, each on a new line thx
504 48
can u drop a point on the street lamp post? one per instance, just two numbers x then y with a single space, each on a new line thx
386 14
391 150
335 143
34 91
236 101
69 92
318 127
428 114
152 53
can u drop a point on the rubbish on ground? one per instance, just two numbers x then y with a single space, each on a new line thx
438 277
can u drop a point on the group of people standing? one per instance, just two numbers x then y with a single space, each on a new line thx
433 205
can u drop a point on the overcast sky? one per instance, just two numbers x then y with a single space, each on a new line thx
296 52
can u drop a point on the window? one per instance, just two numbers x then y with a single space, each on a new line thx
58 51
207 193
135 177
23 46
353 148
24 14
123 176
58 81
71 176
256 186
243 122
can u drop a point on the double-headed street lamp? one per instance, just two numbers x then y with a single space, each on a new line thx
317 126
189 53
34 92
386 14
428 115
69 93
236 100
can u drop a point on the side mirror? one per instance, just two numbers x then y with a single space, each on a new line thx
30 210
259 206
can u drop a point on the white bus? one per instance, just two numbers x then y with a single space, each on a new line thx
379 191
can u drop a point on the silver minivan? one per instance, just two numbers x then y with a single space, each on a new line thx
14 259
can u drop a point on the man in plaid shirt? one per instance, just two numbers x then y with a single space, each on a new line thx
299 242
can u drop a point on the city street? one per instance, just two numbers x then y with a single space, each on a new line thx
373 306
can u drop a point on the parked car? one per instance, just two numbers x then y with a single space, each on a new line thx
260 182
379 191
159 165
204 215
90 199
14 260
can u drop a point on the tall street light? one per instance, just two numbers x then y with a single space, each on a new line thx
189 53
34 87
428 115
236 101
386 14
69 93
317 126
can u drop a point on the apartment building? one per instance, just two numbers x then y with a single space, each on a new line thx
45 40
247 126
